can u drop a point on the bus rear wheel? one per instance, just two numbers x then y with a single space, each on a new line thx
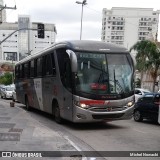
57 115
27 104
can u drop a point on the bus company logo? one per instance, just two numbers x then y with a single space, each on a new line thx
6 154
109 109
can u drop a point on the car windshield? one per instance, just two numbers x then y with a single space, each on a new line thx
146 91
101 73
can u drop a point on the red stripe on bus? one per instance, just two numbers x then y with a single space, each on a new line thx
91 102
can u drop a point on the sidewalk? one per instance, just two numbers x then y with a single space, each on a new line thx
20 132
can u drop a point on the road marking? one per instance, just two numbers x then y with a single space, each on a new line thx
75 146
139 131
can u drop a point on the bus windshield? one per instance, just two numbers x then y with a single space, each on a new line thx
100 73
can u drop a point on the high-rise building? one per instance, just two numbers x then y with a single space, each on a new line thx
2 12
24 36
126 26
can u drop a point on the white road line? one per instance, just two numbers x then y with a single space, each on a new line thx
139 131
77 148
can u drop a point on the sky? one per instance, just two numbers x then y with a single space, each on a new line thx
66 15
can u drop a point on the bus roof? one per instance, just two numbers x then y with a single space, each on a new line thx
81 45
89 45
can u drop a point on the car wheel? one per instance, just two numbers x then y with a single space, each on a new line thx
57 115
138 116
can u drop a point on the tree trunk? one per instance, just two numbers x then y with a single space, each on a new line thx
141 78
154 76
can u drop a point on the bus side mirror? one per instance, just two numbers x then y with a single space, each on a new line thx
73 59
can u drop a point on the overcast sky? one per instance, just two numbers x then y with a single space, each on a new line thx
66 14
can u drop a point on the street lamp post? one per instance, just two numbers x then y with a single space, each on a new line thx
82 3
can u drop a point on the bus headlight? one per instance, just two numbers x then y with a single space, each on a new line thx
89 103
85 106
129 104
81 104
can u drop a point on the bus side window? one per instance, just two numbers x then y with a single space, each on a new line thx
53 64
47 65
17 72
32 68
35 68
27 70
67 73
39 67
22 71
64 67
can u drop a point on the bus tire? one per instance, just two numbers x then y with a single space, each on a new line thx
57 115
27 104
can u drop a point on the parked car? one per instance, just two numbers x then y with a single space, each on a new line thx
2 87
7 92
139 92
147 107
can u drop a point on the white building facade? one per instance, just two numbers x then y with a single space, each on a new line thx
24 42
126 26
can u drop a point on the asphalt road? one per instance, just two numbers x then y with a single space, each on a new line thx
124 135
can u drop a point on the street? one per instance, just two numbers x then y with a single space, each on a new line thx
125 135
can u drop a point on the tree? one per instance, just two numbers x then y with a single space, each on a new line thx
137 83
6 79
148 58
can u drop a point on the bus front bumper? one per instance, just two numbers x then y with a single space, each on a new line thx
85 115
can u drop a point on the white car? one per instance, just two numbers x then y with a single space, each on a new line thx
7 92
139 92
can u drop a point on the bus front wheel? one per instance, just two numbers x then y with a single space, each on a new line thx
57 115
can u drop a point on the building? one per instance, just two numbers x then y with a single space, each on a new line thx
126 26
24 42
2 12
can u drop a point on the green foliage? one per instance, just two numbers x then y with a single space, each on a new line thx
138 83
148 58
6 79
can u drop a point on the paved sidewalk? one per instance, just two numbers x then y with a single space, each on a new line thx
20 132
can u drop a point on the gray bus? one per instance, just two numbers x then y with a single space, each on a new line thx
80 81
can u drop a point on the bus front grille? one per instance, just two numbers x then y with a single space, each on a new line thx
107 109
109 116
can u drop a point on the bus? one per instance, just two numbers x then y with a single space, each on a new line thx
79 81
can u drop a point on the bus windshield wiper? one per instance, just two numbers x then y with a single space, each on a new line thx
116 82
